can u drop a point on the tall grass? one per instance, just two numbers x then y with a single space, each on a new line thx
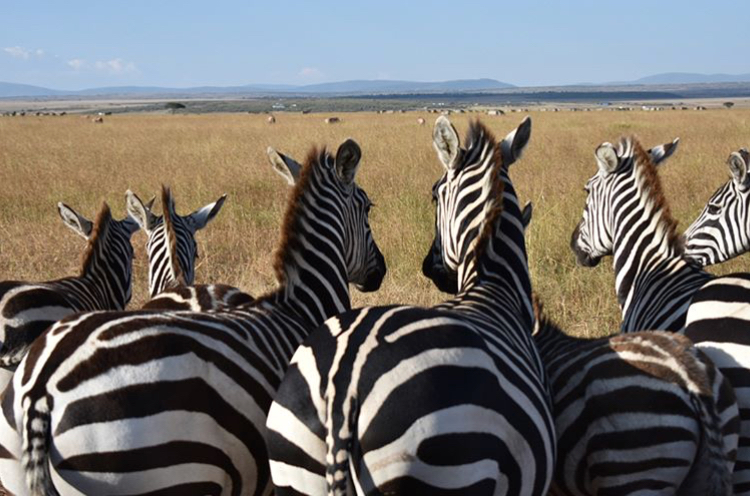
44 160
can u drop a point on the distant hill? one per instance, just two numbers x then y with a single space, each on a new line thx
389 86
14 89
342 87
690 78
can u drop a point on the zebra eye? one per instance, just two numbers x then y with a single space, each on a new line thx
713 209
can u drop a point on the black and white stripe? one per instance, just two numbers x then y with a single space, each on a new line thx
722 230
626 215
175 402
172 252
636 414
28 308
445 400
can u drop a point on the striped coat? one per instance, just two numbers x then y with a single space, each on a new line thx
29 308
172 252
445 400
175 403
626 215
722 230
636 413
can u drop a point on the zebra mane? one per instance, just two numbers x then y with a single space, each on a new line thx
291 227
168 211
478 138
98 235
643 163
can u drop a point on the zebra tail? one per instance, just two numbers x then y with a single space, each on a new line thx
712 462
35 457
339 440
11 358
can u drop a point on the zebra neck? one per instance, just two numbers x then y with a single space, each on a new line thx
313 275
108 280
650 273
495 278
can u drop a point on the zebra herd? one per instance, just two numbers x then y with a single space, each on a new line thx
207 390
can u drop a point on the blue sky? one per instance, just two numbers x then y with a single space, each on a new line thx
81 44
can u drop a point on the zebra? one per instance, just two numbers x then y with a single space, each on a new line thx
28 308
172 252
171 245
626 215
445 400
636 412
722 230
176 292
175 402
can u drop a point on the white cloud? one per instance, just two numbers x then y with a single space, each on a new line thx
310 72
76 64
18 52
116 66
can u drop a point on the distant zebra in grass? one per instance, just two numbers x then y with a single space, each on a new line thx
445 400
175 402
722 230
636 413
626 215
172 252
28 308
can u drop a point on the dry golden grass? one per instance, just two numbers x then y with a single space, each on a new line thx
45 160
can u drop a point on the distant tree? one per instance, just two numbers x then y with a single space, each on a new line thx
174 106
729 104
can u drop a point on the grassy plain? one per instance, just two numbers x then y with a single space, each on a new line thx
44 160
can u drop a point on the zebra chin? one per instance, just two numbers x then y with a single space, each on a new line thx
374 277
444 280
583 258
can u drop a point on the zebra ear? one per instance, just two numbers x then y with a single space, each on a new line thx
515 142
526 214
347 160
606 158
446 142
140 212
288 168
203 216
663 152
738 168
79 224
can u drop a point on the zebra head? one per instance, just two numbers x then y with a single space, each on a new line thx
171 245
593 237
462 193
109 248
365 264
722 230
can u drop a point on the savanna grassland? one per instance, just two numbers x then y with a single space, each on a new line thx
44 160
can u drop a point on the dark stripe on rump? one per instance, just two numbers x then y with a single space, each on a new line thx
408 485
161 346
159 456
189 489
143 400
719 330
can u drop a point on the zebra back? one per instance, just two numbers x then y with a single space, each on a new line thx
721 231
652 395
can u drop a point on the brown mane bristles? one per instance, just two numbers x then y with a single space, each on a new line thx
99 231
479 135
167 212
291 227
656 194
